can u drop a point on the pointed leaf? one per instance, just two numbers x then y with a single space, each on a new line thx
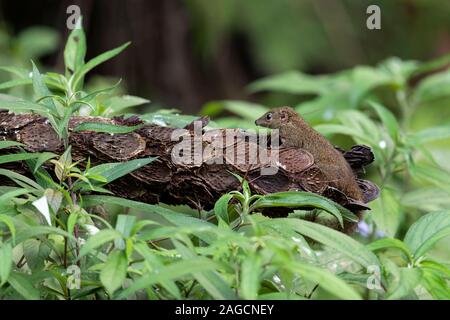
91 64
114 272
5 262
331 238
23 286
97 240
75 49
426 231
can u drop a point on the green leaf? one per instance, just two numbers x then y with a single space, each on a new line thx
409 278
20 179
327 280
114 272
432 65
42 176
113 171
156 265
365 79
431 134
9 144
280 296
62 164
209 279
325 106
104 127
427 199
368 132
221 207
75 49
386 212
62 125
435 266
297 199
331 238
71 221
171 272
10 224
118 104
18 71
15 83
426 231
388 119
22 284
202 229
97 240
91 64
6 260
35 42
247 110
399 70
43 157
436 285
41 90
36 231
18 157
328 129
292 82
96 93
124 225
35 253
18 106
8 196
251 270
57 82
390 243
432 174
432 88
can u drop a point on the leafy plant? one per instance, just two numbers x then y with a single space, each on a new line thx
58 240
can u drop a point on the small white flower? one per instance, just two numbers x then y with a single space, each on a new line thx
382 144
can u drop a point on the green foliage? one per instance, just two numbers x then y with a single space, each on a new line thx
58 240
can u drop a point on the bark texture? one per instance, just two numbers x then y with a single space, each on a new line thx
197 184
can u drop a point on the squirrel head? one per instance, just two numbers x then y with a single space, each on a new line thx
276 117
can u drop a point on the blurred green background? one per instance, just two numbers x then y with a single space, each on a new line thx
186 53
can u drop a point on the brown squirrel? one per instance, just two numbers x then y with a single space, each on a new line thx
295 132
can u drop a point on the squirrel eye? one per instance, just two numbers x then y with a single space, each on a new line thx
269 116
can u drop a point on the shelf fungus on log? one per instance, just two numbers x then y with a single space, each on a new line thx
193 165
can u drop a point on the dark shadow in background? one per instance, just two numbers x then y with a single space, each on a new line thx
163 65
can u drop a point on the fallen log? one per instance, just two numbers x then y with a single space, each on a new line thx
182 175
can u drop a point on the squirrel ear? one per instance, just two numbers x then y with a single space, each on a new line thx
283 116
